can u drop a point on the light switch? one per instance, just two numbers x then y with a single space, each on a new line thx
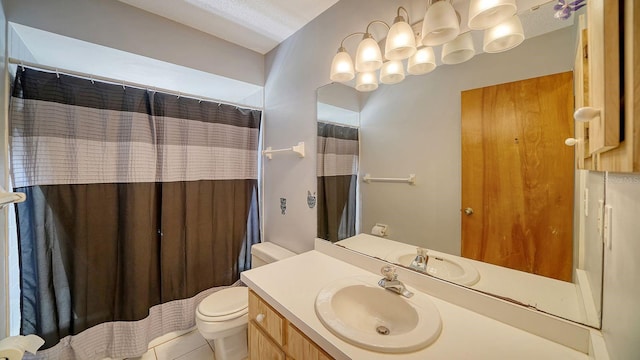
600 216
586 201
608 239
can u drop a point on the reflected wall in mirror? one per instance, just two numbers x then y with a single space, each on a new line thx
415 128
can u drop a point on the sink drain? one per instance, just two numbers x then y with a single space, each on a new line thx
382 330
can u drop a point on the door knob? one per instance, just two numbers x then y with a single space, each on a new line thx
468 211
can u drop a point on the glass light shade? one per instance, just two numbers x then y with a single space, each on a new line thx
366 81
503 36
342 67
458 50
484 14
368 55
422 62
440 24
401 42
392 72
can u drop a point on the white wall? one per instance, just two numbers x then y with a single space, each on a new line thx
123 27
414 128
621 317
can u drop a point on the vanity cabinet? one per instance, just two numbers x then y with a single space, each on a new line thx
261 346
272 336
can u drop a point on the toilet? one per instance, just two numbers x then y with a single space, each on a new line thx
222 316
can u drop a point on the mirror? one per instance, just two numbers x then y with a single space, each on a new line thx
415 128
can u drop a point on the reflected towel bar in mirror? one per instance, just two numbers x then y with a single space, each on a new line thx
411 180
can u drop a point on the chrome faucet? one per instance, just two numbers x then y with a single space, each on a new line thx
390 282
420 262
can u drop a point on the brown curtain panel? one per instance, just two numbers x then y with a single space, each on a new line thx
337 169
137 203
205 222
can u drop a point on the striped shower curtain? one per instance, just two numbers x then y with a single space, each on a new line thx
337 169
139 204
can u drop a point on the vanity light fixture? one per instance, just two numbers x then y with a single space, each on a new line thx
368 55
422 62
392 72
366 81
401 41
406 46
441 24
342 69
458 50
484 14
342 66
504 36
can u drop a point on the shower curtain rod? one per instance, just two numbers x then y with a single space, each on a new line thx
124 83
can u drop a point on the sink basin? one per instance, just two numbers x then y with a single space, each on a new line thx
443 266
362 313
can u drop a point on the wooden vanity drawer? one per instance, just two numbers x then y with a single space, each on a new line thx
266 318
300 347
261 347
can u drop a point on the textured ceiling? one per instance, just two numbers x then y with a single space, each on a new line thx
259 25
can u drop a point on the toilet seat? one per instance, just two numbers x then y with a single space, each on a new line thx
224 305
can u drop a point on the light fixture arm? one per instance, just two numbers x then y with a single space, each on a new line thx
348 36
400 16
374 22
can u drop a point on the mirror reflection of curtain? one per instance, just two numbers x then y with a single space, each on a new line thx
337 169
139 204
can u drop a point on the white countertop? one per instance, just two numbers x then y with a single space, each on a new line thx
291 285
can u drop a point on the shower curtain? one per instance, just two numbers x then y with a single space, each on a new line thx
337 169
139 204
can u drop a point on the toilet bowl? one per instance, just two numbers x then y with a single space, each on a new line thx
222 316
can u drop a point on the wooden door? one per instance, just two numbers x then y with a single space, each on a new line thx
517 175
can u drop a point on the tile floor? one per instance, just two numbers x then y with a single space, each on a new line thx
190 346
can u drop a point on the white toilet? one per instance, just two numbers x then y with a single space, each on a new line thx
222 316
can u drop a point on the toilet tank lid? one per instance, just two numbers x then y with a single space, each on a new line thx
225 301
270 252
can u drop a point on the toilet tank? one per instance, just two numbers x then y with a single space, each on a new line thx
268 252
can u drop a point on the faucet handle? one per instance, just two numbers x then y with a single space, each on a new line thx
389 272
421 251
